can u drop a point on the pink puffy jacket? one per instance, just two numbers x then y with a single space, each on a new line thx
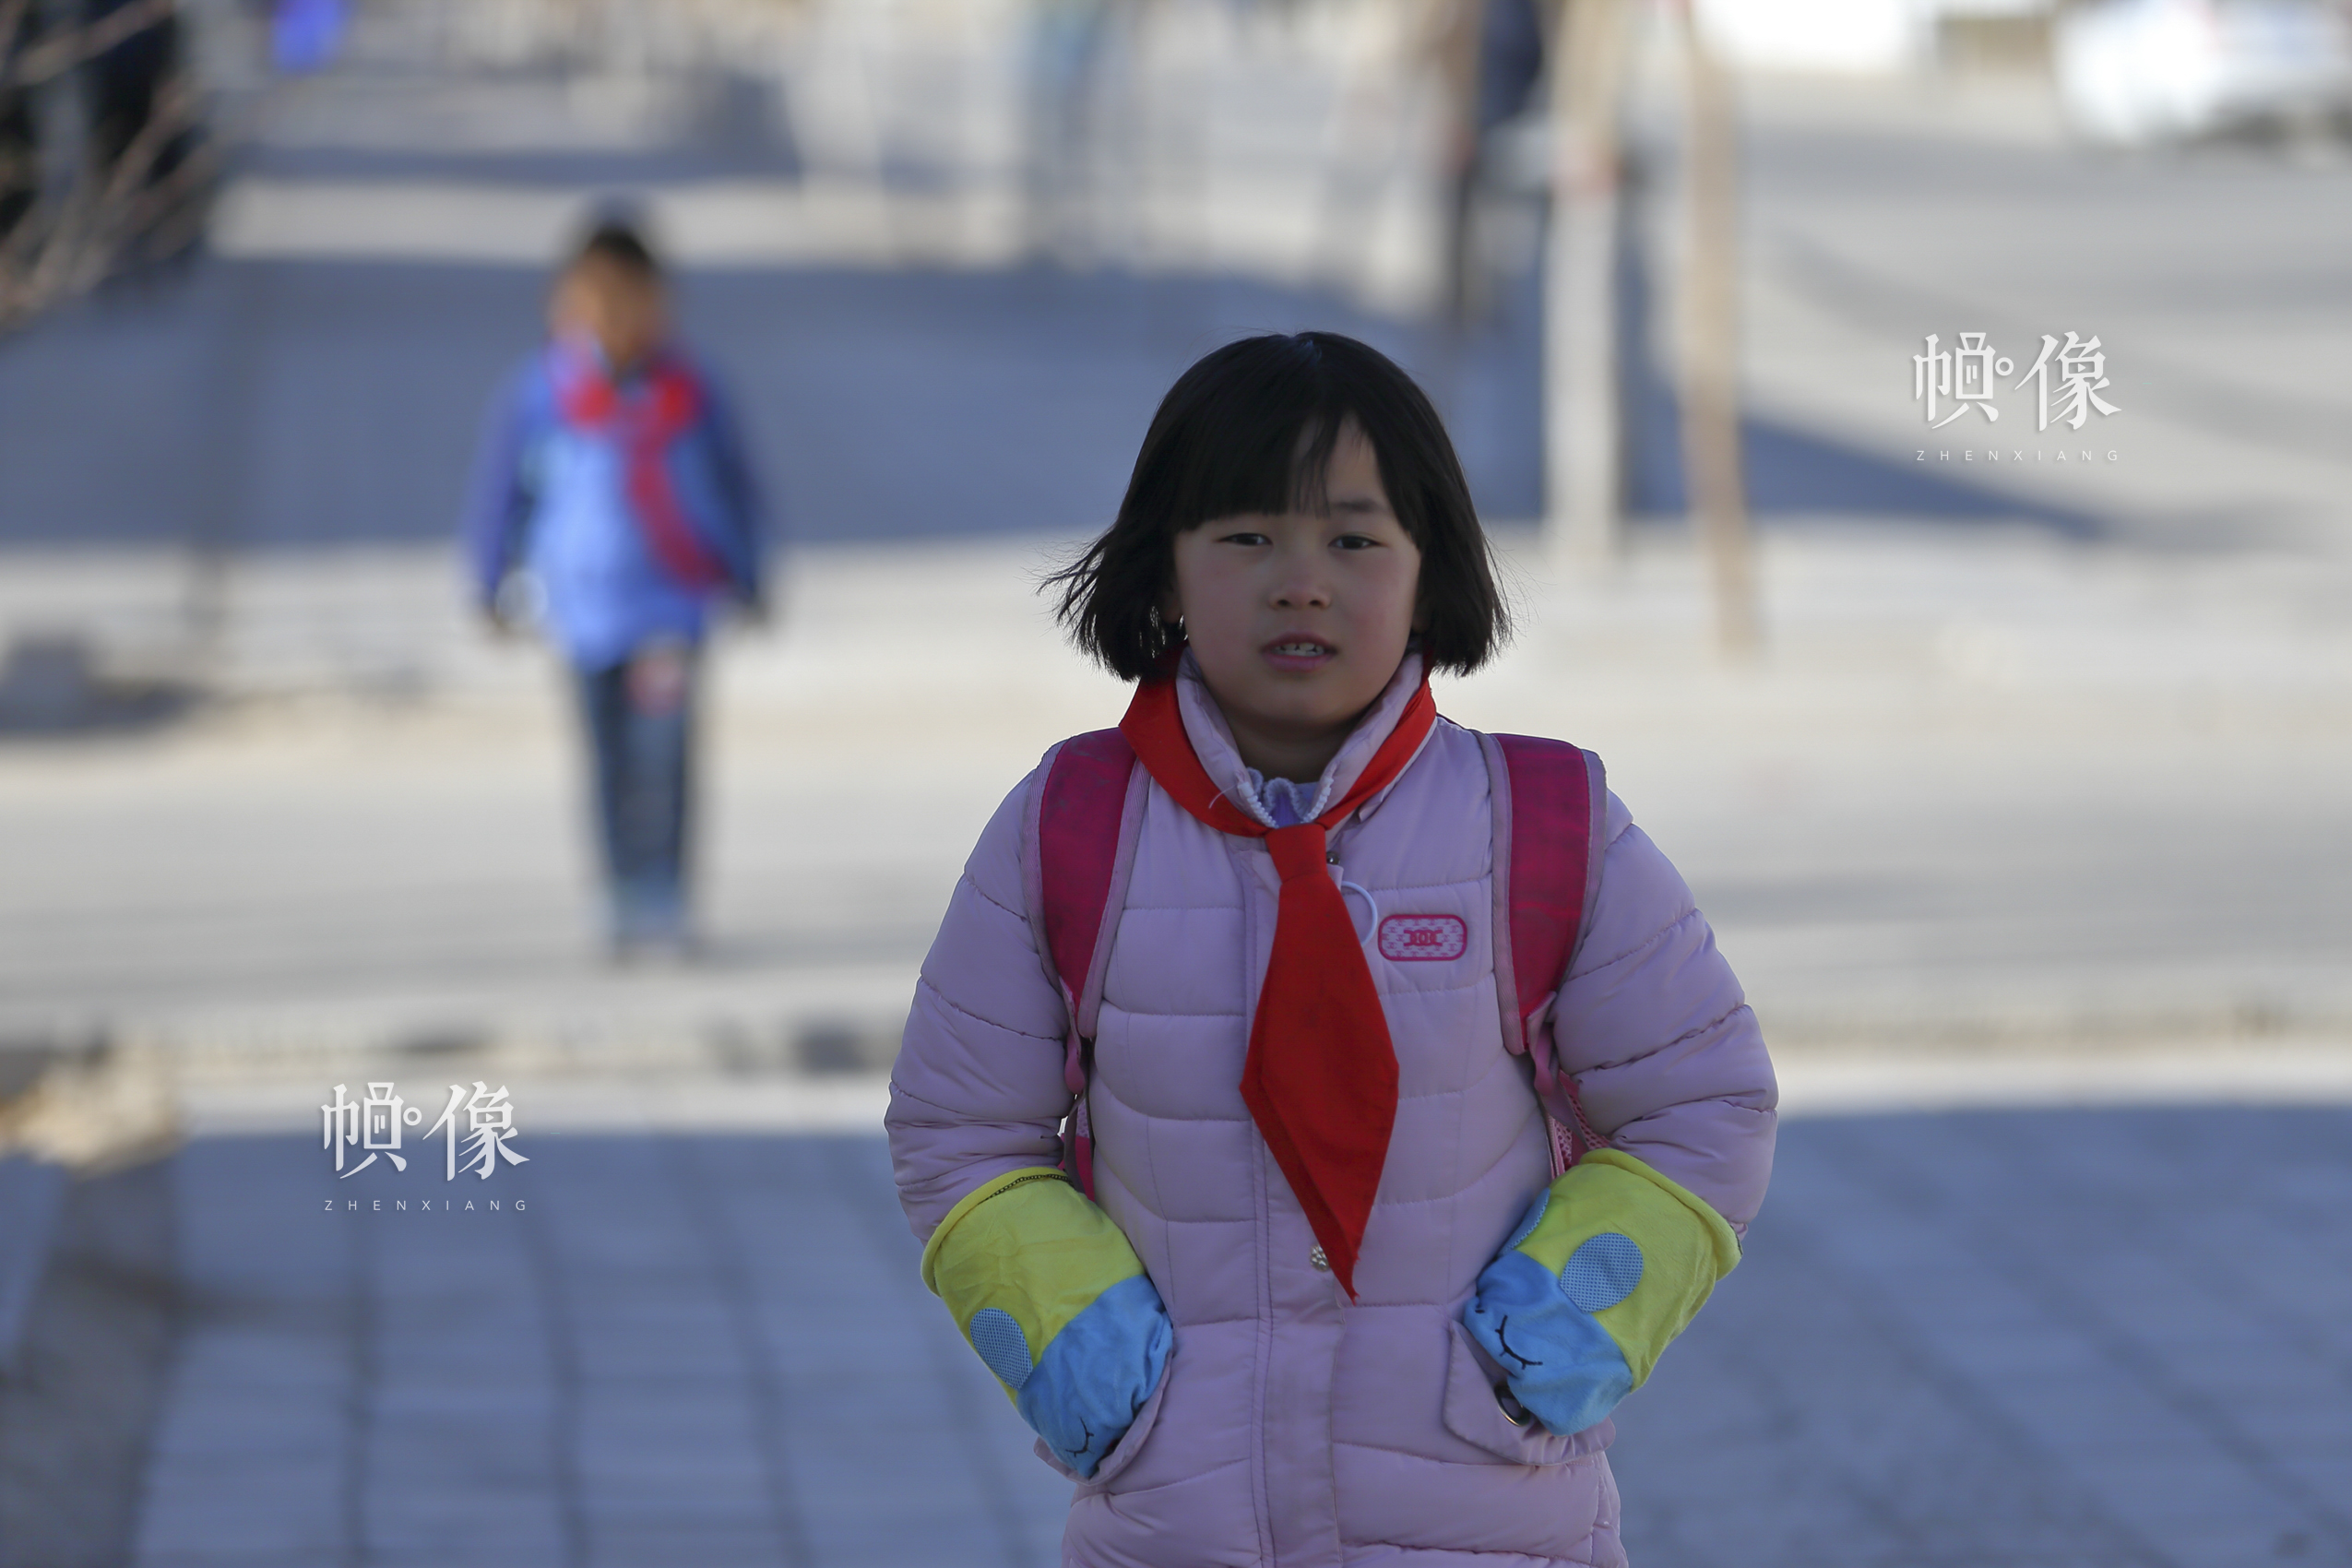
1293 1427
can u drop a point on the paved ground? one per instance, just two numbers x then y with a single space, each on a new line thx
2027 1338
2019 1338
682 1350
1982 790
2038 797
2214 279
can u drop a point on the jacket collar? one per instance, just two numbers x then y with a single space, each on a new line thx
1213 742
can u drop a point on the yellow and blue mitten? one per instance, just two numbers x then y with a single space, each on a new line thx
1053 1297
1611 1263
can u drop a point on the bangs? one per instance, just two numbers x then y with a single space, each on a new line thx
1262 445
1259 446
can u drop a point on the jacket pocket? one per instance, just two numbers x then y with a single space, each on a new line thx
1473 1414
1123 1454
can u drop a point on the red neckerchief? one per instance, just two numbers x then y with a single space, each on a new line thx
644 421
1321 1077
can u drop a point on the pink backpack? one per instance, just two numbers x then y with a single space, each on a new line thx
1548 799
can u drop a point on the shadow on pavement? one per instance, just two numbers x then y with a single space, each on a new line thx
83 1388
51 688
1796 472
269 405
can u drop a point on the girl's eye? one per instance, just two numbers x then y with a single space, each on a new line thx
1244 537
1355 541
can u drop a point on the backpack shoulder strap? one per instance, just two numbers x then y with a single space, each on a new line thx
1087 816
1549 800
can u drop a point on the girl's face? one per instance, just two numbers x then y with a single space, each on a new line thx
622 313
1298 619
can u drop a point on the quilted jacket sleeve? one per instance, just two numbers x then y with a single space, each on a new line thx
1667 1057
978 1089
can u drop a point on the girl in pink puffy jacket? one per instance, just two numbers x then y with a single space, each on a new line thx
1331 1300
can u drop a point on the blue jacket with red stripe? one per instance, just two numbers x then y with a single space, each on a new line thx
553 496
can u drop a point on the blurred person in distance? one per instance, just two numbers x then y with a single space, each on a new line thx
612 506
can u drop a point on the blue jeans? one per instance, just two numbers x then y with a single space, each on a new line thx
640 734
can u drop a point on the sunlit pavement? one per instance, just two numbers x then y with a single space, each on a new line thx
2024 1338
1987 795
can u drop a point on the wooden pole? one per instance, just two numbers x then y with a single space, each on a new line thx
1710 333
1584 458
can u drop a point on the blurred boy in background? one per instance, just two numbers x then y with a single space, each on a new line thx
611 507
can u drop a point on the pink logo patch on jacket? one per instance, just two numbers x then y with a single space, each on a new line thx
1422 938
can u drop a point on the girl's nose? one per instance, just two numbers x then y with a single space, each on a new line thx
1300 582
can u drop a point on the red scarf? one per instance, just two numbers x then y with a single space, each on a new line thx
1321 1077
644 421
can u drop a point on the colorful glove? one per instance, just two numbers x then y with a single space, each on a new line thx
1049 1293
1609 1263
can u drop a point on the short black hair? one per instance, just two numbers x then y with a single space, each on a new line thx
1251 428
615 240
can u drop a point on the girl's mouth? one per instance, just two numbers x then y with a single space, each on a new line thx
1299 653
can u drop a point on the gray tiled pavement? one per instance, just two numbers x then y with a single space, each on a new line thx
682 1350
2055 1338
